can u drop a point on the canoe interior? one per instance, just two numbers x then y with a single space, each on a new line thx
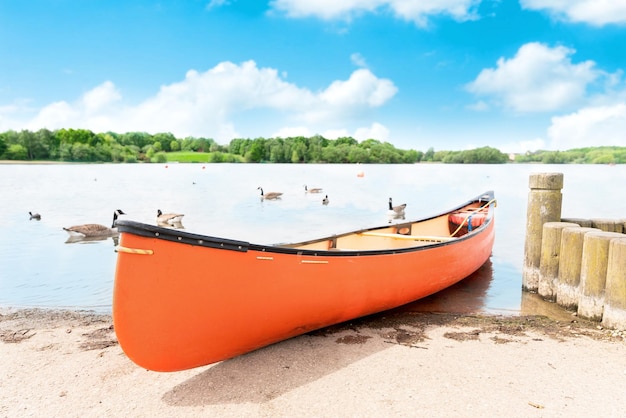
442 228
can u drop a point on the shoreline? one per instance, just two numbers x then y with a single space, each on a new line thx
64 362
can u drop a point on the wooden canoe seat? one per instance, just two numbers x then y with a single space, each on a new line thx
432 238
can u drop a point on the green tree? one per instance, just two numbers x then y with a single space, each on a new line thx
49 143
160 157
345 140
101 152
81 152
16 152
429 155
37 148
3 146
255 153
298 152
336 154
71 136
358 154
237 146
166 139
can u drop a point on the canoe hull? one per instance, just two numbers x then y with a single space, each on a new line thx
183 305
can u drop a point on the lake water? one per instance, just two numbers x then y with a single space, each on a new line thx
39 268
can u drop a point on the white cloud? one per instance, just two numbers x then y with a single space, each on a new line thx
522 147
217 3
375 131
55 116
207 104
362 87
589 127
593 12
292 131
419 10
336 133
358 60
345 99
538 78
479 106
325 9
101 97
416 11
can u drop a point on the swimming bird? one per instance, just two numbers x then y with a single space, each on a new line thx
325 200
312 189
95 230
35 216
395 210
169 218
270 195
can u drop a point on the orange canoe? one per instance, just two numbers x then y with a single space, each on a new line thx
184 300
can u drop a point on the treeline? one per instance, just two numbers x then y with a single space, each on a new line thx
484 155
81 145
590 155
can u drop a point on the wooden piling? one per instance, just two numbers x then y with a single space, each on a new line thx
544 205
585 223
593 274
570 260
615 300
549 264
608 225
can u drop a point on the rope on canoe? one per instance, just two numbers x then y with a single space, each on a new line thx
469 215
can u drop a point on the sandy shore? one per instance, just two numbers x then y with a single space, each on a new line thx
60 363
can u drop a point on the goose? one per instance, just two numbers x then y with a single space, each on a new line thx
312 189
35 216
95 230
169 218
325 200
395 210
270 195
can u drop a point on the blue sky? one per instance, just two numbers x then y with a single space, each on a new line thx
516 75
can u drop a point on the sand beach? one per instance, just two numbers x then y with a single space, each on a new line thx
67 363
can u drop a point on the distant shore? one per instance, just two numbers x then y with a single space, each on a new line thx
37 162
68 363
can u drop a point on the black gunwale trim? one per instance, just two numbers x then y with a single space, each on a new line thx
169 234
176 235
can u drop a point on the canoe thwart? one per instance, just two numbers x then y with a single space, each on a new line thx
408 237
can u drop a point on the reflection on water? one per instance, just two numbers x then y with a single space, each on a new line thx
533 304
86 240
467 296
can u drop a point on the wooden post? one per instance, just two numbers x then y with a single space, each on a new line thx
570 260
585 223
608 225
544 205
615 298
549 264
593 274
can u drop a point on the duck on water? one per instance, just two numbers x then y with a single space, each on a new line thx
95 230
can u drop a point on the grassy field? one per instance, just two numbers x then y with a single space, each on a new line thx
188 157
203 157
